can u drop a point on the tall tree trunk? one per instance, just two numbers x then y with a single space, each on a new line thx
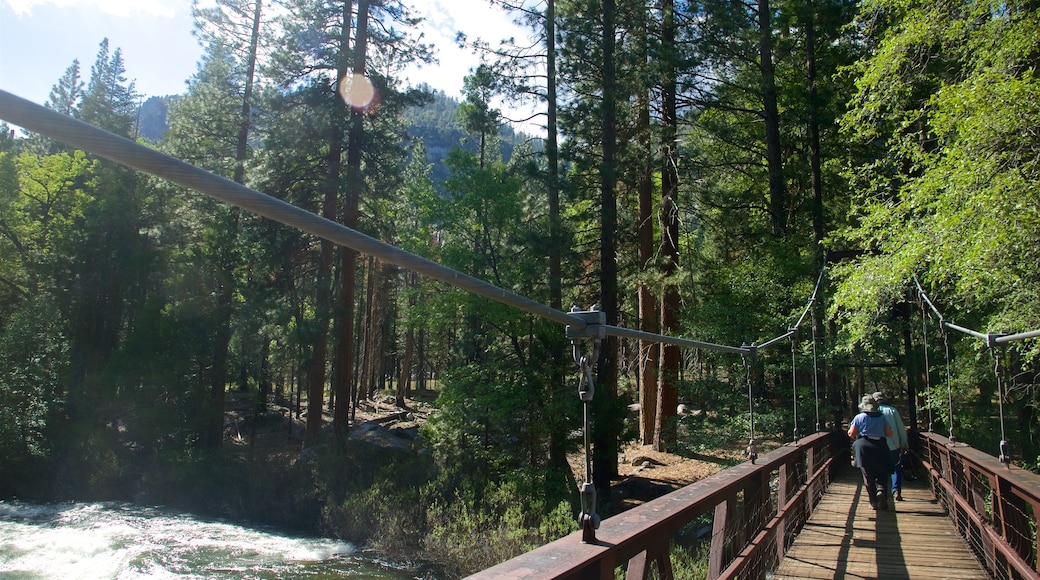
552 156
557 439
374 328
404 379
360 311
420 354
668 376
355 185
606 426
815 155
771 119
322 305
323 302
649 351
245 116
369 326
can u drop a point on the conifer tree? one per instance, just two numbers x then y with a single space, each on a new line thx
65 97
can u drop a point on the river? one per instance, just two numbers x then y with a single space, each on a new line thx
125 541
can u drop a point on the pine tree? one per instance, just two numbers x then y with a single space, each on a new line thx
65 97
110 102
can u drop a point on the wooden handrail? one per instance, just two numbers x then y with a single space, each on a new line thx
748 531
993 505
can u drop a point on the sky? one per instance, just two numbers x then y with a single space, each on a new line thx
40 38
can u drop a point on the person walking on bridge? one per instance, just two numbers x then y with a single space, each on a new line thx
869 431
897 442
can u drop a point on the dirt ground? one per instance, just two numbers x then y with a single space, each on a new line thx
643 473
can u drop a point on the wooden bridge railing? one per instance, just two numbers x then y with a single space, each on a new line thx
757 509
993 505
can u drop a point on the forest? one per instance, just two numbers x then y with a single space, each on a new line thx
701 166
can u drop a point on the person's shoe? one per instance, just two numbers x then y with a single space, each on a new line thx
899 496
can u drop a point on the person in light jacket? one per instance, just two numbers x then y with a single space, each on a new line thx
868 431
897 442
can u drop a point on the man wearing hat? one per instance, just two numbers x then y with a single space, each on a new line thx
897 442
868 431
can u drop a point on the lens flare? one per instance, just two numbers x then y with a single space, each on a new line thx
357 91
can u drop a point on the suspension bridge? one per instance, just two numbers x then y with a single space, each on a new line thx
798 511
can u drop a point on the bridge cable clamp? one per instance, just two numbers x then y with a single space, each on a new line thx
1005 453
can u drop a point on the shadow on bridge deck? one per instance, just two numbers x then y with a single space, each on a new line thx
847 539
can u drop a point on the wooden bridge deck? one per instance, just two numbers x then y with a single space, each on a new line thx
847 539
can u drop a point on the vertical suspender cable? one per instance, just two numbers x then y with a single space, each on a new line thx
751 450
588 519
949 381
927 367
794 388
1005 455
946 343
815 373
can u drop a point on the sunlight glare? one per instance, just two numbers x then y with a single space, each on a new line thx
357 90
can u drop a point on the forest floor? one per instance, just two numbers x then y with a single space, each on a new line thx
644 474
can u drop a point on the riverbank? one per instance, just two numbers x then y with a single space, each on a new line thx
386 491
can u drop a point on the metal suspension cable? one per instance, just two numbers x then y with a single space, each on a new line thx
790 334
946 344
589 519
82 135
927 366
991 339
121 150
1005 455
751 447
924 296
812 300
794 389
816 372
1020 336
816 290
676 341
949 380
580 325
773 341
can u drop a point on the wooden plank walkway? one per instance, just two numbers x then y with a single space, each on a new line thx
846 539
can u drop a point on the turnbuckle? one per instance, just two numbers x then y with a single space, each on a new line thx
592 326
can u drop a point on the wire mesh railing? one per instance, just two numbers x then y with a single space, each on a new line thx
993 505
755 509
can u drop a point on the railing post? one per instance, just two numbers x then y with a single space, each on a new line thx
639 566
810 468
1014 526
721 547
781 499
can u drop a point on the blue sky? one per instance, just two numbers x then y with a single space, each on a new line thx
40 38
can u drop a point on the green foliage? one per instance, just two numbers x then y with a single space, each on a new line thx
950 197
375 499
33 360
472 531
